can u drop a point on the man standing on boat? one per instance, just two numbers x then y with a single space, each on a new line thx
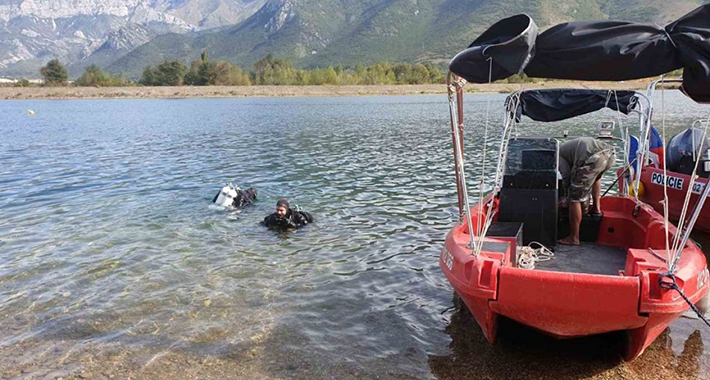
583 161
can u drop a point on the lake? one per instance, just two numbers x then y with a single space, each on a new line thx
115 264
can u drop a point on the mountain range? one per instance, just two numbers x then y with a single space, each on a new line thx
125 36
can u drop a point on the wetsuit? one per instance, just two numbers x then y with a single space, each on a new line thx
293 219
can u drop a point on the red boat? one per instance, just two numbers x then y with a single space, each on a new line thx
677 185
634 272
683 154
614 287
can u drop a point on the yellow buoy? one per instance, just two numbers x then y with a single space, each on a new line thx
31 112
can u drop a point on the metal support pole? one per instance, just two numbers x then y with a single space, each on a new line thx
459 193
458 152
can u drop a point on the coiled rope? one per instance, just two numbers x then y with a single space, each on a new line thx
528 256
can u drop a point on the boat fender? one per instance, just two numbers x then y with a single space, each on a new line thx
632 189
226 196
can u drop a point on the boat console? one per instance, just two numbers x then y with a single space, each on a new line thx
530 188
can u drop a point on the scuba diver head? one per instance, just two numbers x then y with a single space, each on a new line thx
282 207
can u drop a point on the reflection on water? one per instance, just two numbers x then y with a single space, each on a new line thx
113 263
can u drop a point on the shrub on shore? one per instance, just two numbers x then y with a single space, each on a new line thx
276 71
268 71
22 83
220 73
95 77
168 73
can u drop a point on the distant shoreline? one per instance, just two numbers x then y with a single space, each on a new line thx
27 93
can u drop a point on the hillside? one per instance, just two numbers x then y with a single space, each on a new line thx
126 36
81 32
326 32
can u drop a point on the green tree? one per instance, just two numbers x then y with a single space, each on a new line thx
330 76
54 74
203 73
303 77
360 69
168 73
171 73
94 76
435 75
274 71
236 77
403 73
192 77
149 77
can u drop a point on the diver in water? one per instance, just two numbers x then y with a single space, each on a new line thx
286 218
231 196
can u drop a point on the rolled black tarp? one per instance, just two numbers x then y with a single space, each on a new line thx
594 50
510 41
563 103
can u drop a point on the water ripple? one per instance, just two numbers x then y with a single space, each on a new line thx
110 251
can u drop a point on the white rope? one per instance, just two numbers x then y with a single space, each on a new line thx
482 182
528 256
683 234
507 128
686 202
665 176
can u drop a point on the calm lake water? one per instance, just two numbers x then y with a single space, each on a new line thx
114 263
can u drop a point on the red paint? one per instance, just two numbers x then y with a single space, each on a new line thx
653 195
572 304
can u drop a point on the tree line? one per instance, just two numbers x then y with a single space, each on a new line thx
269 70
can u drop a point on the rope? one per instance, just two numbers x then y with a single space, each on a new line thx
528 256
684 229
671 284
509 119
481 230
665 175
619 177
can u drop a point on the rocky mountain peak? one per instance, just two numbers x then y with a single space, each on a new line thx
34 31
281 12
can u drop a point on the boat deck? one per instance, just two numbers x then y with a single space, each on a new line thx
585 258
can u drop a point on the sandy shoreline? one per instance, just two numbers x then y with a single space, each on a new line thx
9 93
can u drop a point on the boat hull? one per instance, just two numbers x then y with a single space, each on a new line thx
677 187
567 305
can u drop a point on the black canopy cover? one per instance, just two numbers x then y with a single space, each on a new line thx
561 104
593 50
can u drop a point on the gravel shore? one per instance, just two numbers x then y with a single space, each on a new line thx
7 93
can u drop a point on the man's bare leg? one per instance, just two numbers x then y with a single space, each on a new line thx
596 197
575 219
